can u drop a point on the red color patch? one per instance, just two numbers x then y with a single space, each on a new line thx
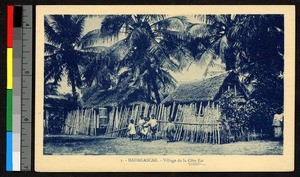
10 22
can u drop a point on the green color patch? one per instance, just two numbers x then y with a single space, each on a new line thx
9 110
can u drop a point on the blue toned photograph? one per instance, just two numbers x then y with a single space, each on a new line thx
152 84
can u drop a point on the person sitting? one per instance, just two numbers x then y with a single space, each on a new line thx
131 129
170 130
153 126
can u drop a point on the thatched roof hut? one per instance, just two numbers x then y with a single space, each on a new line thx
113 98
209 89
50 100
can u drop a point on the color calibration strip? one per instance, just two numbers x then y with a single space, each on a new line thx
19 65
16 91
9 99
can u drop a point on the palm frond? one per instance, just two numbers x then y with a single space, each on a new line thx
204 59
69 28
199 30
153 18
212 64
84 57
235 30
182 55
90 39
74 75
79 19
50 49
100 67
120 49
178 23
50 33
112 24
95 49
166 79
59 22
178 51
139 80
52 68
223 46
156 50
50 88
124 72
201 18
174 36
78 22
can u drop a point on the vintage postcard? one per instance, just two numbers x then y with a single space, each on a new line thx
165 88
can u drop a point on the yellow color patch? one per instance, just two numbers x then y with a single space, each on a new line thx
9 68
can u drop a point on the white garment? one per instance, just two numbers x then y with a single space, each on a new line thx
153 122
141 122
278 119
145 130
131 129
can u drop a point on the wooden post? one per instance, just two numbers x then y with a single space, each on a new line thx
82 122
95 121
200 108
218 128
46 122
87 121
235 90
213 134
91 128
145 110
78 121
72 123
173 109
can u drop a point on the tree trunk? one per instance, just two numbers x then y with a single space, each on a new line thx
155 90
73 88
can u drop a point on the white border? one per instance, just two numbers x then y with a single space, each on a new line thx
213 163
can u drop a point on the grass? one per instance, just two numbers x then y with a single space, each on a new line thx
124 146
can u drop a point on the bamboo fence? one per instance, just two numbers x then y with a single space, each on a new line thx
194 122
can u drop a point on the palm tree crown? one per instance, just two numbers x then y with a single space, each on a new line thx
62 52
144 60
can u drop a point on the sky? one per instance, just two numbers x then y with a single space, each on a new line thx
193 73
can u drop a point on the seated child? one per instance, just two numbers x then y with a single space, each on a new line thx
153 126
170 130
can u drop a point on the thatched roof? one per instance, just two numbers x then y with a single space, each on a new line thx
203 90
113 98
49 100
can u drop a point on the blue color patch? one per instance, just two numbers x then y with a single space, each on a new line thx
9 151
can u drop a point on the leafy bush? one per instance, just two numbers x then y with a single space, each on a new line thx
255 114
234 111
57 108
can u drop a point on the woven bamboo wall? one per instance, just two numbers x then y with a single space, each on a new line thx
195 122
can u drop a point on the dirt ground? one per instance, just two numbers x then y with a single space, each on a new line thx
125 146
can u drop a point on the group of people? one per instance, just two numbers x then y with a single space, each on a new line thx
147 128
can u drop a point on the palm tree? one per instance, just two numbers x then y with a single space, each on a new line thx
101 70
62 52
143 55
212 39
251 45
240 41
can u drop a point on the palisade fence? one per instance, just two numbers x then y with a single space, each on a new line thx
194 122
